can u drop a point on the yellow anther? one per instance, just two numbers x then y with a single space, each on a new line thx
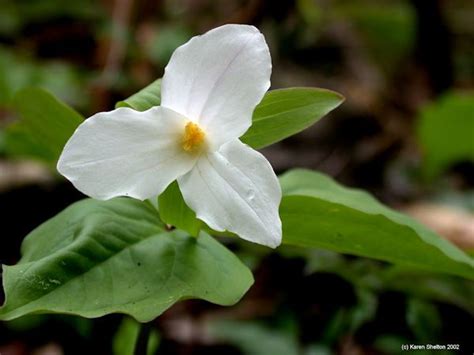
193 137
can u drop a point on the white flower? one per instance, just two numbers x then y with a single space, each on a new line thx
209 91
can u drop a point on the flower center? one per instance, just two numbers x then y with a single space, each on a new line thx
193 137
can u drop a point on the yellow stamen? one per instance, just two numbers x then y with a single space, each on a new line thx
193 137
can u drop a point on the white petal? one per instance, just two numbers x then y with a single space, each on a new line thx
218 78
235 189
126 153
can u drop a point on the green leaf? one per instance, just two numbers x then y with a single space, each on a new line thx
175 212
285 112
126 338
97 257
45 122
317 212
446 132
145 99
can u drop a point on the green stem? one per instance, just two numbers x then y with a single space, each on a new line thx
141 346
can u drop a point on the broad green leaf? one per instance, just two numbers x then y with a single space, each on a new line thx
285 112
175 212
97 257
317 212
45 122
145 99
279 115
126 338
446 132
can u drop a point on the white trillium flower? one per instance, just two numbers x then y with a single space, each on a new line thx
210 88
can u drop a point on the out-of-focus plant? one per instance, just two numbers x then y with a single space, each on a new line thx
446 132
17 72
387 30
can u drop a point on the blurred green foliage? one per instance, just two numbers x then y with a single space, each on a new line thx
387 28
446 132
165 40
18 71
254 338
17 14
